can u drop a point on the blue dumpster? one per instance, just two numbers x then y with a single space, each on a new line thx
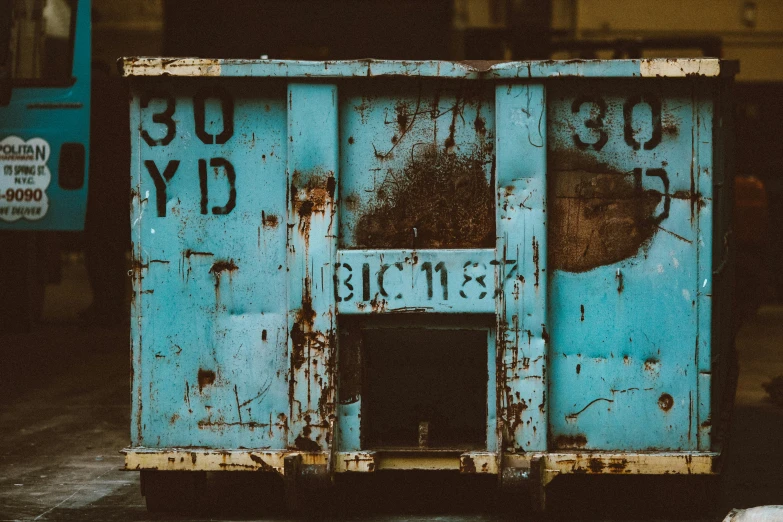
518 269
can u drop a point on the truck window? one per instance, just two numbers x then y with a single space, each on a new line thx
42 41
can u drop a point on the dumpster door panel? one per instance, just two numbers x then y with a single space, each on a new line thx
209 247
521 174
625 203
417 159
312 248
417 235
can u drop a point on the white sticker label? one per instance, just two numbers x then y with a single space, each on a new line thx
24 178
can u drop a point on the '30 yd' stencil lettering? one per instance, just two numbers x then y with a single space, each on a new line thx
166 118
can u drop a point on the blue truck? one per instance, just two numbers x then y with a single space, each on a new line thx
44 140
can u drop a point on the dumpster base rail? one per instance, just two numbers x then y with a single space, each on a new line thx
550 464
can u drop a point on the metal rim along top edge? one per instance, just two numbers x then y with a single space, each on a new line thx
477 70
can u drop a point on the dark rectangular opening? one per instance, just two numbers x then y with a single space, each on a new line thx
421 375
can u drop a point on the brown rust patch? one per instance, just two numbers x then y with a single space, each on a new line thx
670 125
303 443
403 117
480 124
595 465
467 464
665 402
599 215
310 192
205 378
536 259
438 200
570 441
262 465
219 267
303 335
514 412
269 220
617 465
190 253
351 202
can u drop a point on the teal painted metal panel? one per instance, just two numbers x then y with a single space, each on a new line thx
312 247
210 286
624 213
522 236
276 221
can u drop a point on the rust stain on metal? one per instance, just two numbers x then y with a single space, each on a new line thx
617 465
262 465
665 402
218 267
217 270
304 443
467 464
438 200
536 256
378 305
205 378
595 465
570 441
302 332
317 190
670 125
190 253
269 220
514 412
599 215
479 124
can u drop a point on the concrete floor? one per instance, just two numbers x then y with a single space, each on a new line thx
64 413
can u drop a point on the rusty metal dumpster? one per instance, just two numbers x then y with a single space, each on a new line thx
518 269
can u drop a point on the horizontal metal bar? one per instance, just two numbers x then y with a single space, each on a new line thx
174 459
435 461
596 463
485 462
438 281
469 70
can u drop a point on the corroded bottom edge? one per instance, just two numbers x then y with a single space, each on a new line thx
616 463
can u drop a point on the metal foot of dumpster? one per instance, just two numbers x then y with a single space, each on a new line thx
521 478
307 486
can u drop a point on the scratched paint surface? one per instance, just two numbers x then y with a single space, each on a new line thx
210 284
624 206
576 212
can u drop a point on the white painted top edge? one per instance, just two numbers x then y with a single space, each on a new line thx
647 68
675 68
